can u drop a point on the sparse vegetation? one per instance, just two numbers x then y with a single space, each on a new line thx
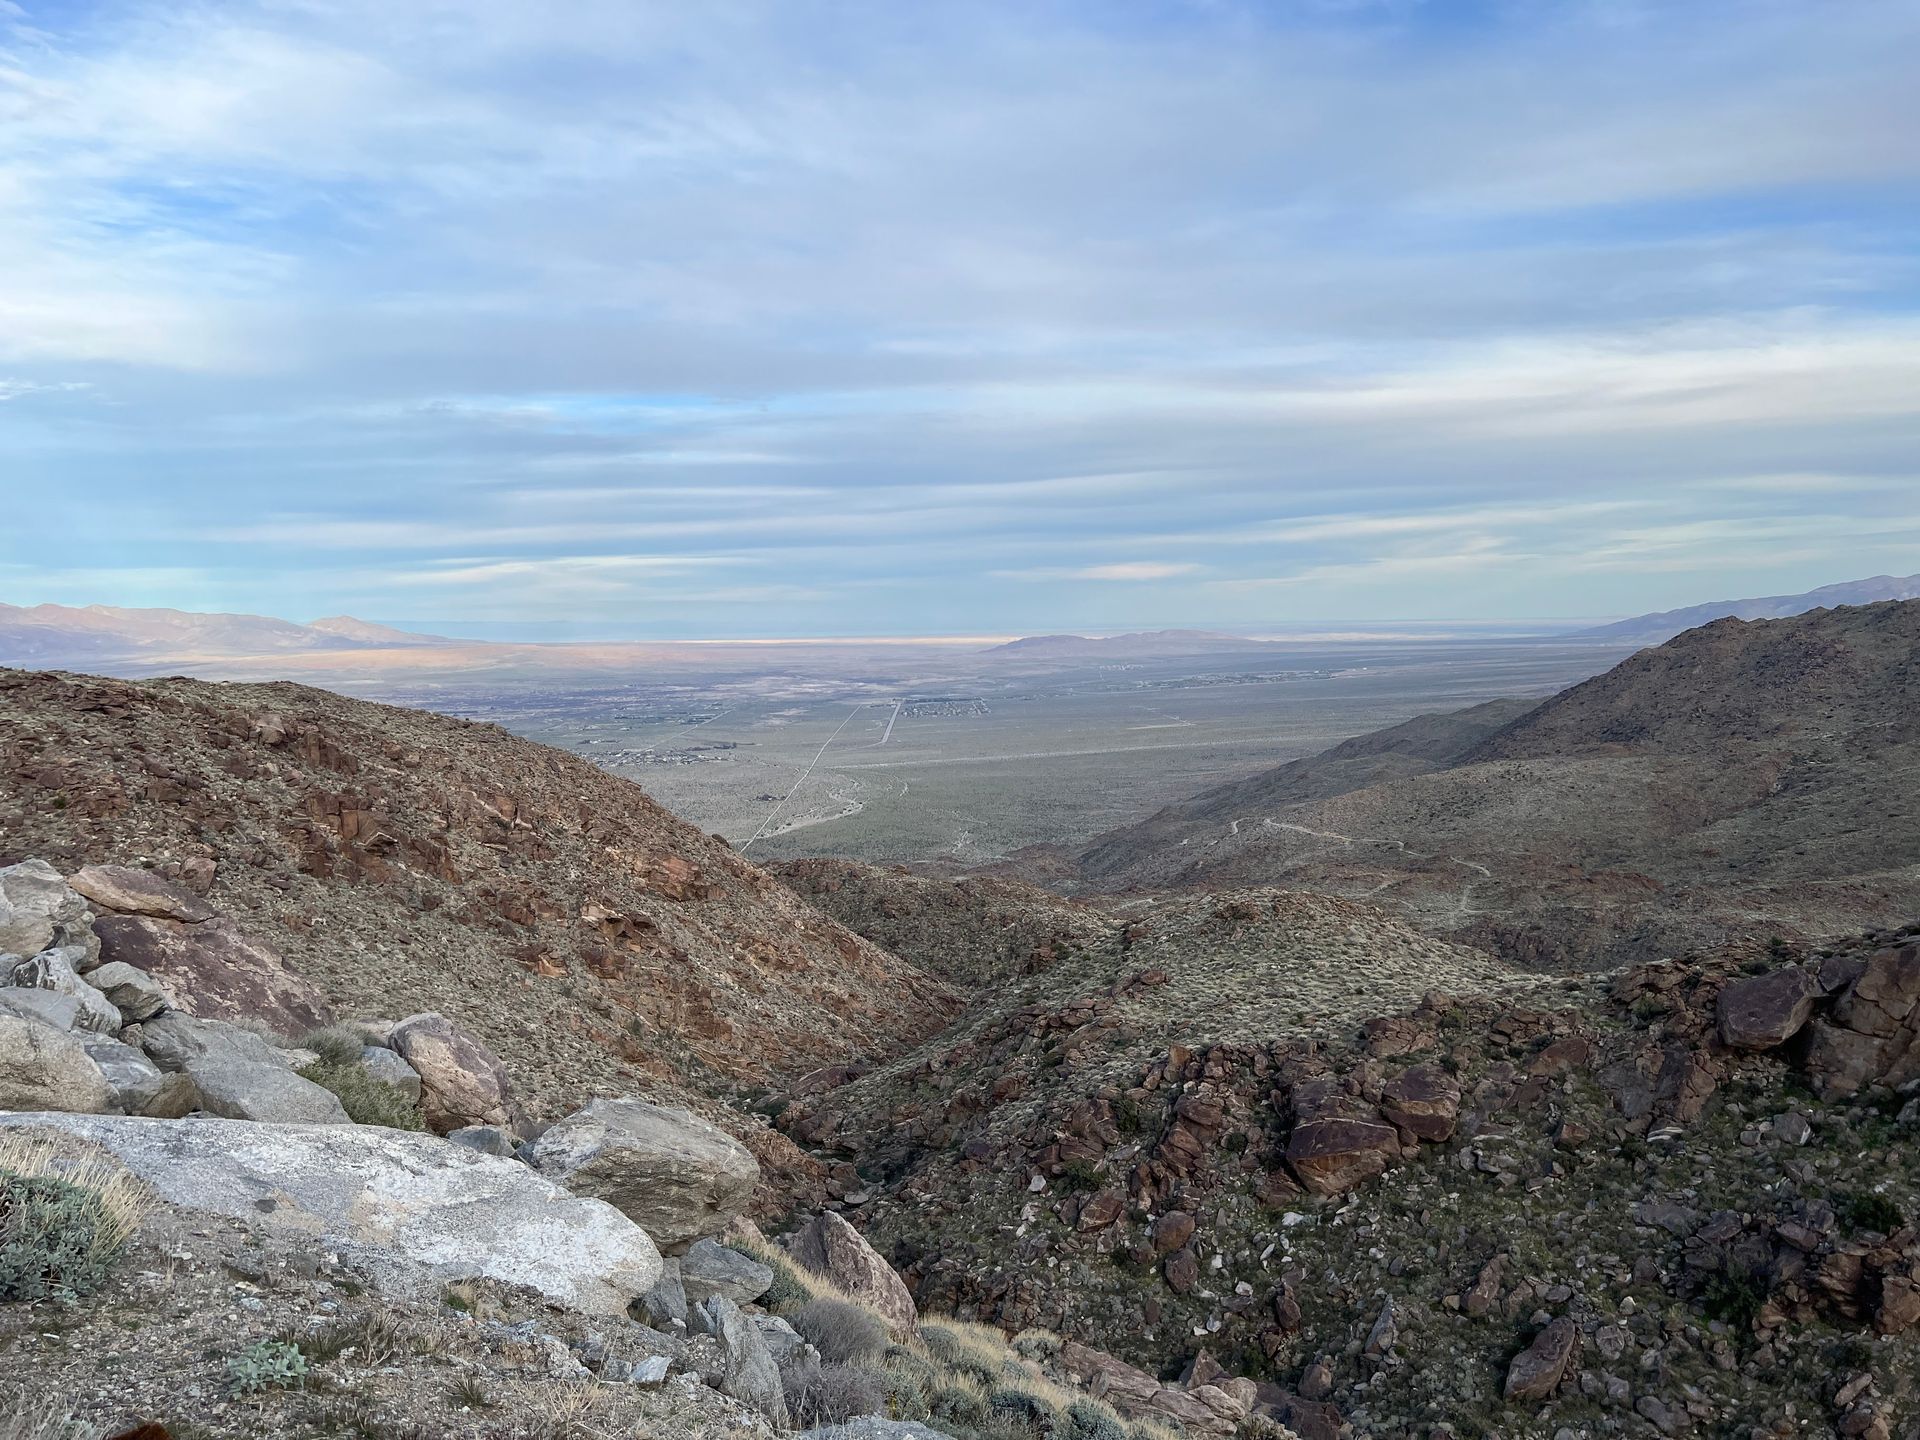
64 1222
843 1331
266 1365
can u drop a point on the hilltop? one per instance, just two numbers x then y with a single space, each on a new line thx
1745 778
54 635
400 861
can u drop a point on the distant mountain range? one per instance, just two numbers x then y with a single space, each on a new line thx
1663 626
61 635
1135 644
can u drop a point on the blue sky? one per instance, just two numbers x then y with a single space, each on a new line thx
792 318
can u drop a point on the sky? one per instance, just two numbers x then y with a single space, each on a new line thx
645 320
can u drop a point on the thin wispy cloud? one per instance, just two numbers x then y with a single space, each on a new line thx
978 318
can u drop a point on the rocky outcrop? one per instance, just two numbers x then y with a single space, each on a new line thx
249 1090
43 1068
1338 1141
174 1040
462 1082
134 993
54 970
38 911
675 1175
124 890
1872 1035
829 1246
139 1086
419 1210
218 971
752 1377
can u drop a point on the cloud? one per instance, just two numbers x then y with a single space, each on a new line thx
1293 312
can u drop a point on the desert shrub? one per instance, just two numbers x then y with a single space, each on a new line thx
1023 1407
1090 1420
793 1287
843 1332
974 1352
1079 1176
1037 1345
959 1406
63 1222
366 1100
835 1393
266 1365
336 1044
44 1417
1867 1210
911 1379
1734 1298
373 1338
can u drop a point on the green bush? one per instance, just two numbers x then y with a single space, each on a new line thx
56 1240
266 1365
1869 1211
1023 1407
366 1100
1734 1298
1088 1420
788 1292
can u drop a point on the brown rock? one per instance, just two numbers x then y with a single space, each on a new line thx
829 1246
1766 1010
214 971
1538 1369
1170 1231
1485 1290
1561 1058
127 891
462 1082
1102 1209
1182 1271
1332 1156
1899 1305
1316 1381
1423 1100
1873 1037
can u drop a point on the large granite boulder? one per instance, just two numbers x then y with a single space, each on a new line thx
218 972
752 1377
675 1175
462 1082
62 1012
127 891
250 1090
39 911
415 1209
1762 1011
44 1068
830 1247
134 993
389 1067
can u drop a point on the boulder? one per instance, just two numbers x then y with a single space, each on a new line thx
62 1012
709 1268
1538 1370
1423 1101
134 993
138 1086
174 1040
829 1246
462 1082
127 891
54 970
1333 1155
675 1175
217 972
416 1210
1762 1011
751 1376
44 1068
272 1094
1170 1231
389 1067
38 911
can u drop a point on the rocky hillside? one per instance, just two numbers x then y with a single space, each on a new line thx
1744 779
379 862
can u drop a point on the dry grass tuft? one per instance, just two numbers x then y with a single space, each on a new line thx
44 1417
123 1201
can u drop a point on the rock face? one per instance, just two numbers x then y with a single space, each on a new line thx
1423 1101
418 1208
1763 1011
1872 1036
134 993
752 1377
37 909
462 1082
139 1087
829 1246
675 1175
220 973
127 891
1339 1142
42 1068
390 1068
1538 1369
175 1040
248 1090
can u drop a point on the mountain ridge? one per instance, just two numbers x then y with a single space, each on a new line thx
1663 625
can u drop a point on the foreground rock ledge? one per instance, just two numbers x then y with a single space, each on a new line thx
413 1206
